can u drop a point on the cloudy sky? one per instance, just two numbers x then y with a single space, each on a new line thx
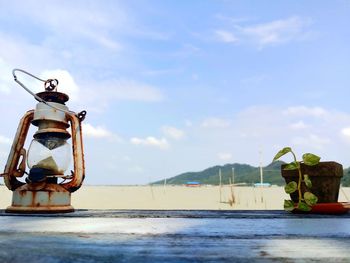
176 86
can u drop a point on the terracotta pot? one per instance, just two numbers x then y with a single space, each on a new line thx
325 178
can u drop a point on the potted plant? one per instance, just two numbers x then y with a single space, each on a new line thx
309 181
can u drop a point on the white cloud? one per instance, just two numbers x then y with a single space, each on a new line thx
98 132
5 77
299 125
159 72
264 122
225 156
88 35
132 90
321 131
3 155
92 22
345 133
5 140
127 90
306 111
188 123
173 132
136 169
278 31
18 51
311 141
185 51
226 36
126 158
233 20
216 123
66 83
265 34
105 41
254 81
151 141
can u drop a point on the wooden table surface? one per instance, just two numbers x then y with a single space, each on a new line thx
174 236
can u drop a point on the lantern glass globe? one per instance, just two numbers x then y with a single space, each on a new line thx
50 153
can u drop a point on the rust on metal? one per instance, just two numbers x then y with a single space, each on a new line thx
34 203
50 96
22 166
78 154
41 193
52 198
16 152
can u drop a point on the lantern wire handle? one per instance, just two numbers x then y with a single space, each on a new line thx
52 85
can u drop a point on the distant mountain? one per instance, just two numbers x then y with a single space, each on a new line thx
243 173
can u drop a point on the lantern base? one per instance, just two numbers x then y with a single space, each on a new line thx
52 198
39 210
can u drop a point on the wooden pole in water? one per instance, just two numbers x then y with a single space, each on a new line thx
233 184
220 181
233 175
261 169
232 200
150 185
261 178
164 186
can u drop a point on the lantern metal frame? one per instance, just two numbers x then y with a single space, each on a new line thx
45 196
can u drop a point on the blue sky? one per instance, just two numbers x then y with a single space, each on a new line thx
176 86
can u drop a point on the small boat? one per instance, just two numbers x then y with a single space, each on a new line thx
262 185
193 184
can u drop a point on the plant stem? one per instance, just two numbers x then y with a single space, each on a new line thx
300 177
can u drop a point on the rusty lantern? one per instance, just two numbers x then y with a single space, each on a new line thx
46 188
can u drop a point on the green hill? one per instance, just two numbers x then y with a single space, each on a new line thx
243 173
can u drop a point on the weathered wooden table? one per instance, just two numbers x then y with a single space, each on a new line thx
174 236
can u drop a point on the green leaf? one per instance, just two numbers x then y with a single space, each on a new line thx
282 152
311 159
291 166
302 206
307 181
288 205
310 198
291 187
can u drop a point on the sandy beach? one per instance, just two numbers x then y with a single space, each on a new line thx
176 197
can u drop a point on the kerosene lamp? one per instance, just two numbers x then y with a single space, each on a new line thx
46 188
